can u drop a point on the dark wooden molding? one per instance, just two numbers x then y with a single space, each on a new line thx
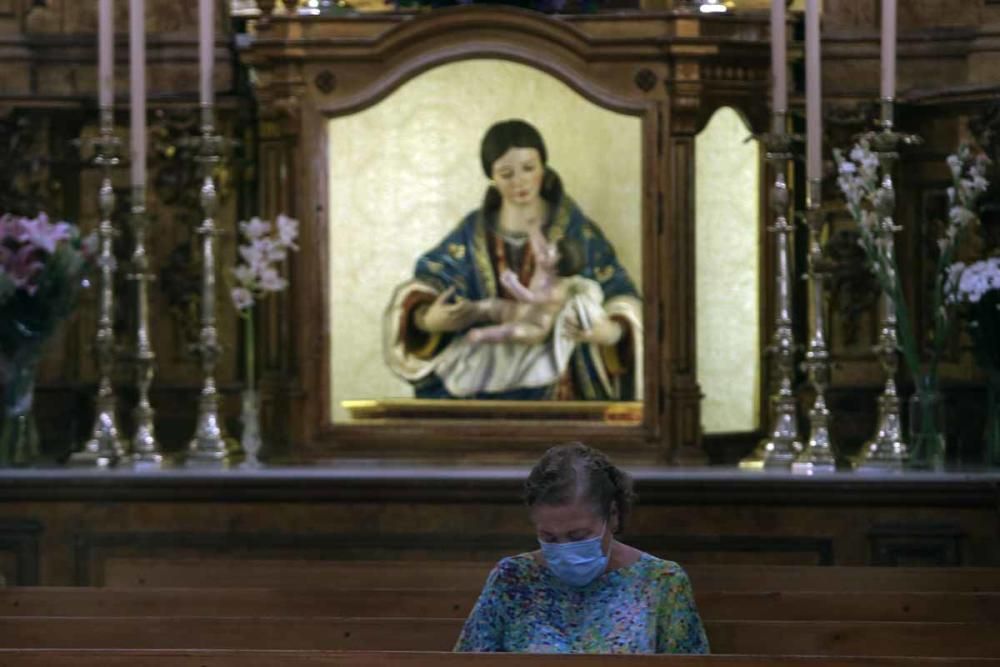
917 544
91 548
657 487
21 538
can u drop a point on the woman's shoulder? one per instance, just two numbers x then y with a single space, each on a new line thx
515 572
658 569
517 567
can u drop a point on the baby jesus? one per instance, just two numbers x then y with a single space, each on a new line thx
530 317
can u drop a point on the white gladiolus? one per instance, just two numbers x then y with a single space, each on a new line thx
242 298
288 231
976 279
257 272
858 176
255 228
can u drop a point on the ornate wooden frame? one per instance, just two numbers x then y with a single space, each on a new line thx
672 69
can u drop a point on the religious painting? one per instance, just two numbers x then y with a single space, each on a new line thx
485 245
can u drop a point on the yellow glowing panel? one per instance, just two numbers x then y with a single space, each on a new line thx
762 5
405 171
727 276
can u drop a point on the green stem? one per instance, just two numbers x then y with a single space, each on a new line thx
904 328
249 347
888 279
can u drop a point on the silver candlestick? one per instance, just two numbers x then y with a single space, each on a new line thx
105 446
818 454
782 445
145 448
208 445
887 447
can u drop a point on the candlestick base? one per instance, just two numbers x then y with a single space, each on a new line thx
783 446
818 454
105 447
208 446
887 448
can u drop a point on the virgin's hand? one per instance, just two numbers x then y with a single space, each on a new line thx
443 317
603 330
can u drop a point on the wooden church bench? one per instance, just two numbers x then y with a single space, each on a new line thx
247 658
430 603
423 634
223 572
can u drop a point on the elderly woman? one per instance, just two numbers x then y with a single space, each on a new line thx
583 591
595 350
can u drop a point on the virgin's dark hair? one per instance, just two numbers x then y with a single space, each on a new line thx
507 134
574 470
516 133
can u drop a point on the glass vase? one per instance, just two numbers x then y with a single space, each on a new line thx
250 440
992 435
927 429
19 433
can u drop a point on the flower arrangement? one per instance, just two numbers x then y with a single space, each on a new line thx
257 275
42 267
858 179
978 288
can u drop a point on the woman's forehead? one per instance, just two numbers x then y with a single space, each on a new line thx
516 156
564 517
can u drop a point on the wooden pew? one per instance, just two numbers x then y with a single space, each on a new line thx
429 603
425 634
229 573
199 658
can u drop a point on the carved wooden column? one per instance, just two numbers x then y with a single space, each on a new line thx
279 90
680 369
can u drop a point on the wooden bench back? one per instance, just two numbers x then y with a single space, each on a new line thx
238 573
791 606
423 634
245 658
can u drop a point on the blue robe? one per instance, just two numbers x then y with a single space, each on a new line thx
462 259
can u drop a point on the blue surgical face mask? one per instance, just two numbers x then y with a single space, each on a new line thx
576 563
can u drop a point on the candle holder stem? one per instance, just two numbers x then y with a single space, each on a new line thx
105 446
781 447
886 448
208 445
145 448
817 454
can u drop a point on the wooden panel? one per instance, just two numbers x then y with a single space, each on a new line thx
471 576
920 544
19 551
192 658
429 603
352 511
416 634
95 550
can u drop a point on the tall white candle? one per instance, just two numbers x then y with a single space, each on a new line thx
137 89
206 48
888 49
814 113
105 53
779 68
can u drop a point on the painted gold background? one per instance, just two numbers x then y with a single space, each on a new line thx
405 171
727 274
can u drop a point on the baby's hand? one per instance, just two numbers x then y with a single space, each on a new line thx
516 289
509 279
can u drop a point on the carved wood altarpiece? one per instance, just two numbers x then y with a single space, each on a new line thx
671 70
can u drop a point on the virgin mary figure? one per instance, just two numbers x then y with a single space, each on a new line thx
594 351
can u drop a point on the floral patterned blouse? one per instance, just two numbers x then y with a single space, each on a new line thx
645 607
